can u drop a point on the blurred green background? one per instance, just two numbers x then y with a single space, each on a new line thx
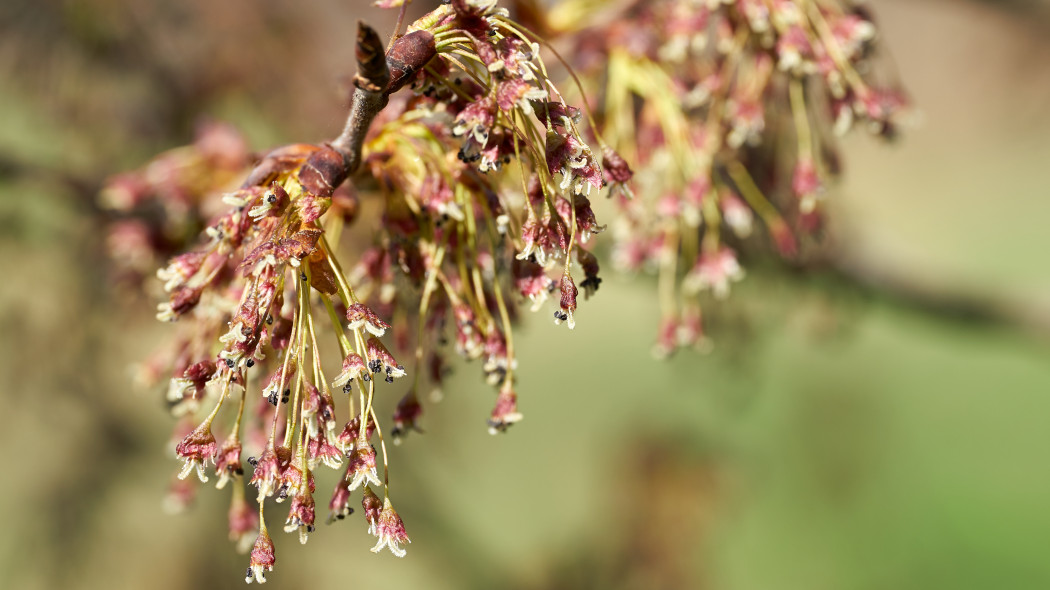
877 424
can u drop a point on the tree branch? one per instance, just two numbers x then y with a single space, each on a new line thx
379 75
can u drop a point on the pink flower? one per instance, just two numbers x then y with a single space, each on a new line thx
805 184
372 507
318 409
351 432
568 301
339 506
195 450
228 461
505 412
714 270
301 515
361 316
269 469
353 367
380 360
261 560
242 520
390 530
362 466
406 414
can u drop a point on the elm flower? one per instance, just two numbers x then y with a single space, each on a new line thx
390 530
197 449
262 559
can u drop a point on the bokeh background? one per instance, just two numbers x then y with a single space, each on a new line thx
880 423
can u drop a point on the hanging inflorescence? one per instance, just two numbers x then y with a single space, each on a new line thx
459 189
730 110
479 177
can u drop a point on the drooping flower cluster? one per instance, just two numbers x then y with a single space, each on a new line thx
730 110
481 178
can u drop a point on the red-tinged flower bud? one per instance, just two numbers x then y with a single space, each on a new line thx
586 222
228 461
280 335
295 478
353 367
268 469
196 449
569 155
301 515
262 559
181 494
124 192
531 281
714 270
530 237
278 387
312 207
318 409
794 51
182 301
691 331
371 505
339 506
200 373
693 200
568 301
180 269
476 121
589 264
362 466
616 168
272 202
352 431
361 316
297 246
505 412
381 361
805 184
666 338
406 414
562 116
131 246
243 521
189 387
390 530
320 450
221 145
554 239
517 93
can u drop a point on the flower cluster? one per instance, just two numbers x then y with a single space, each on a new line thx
479 177
730 110
158 211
